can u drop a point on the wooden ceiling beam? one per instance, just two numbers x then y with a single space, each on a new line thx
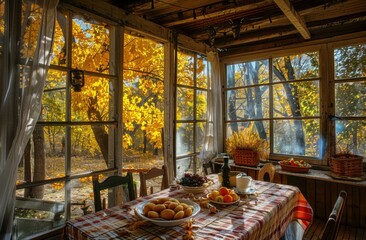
214 13
294 17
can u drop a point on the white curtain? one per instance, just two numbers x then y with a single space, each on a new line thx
39 16
214 129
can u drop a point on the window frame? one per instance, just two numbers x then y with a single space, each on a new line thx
192 156
269 55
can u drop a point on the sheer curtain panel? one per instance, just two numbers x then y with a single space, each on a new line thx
213 133
21 96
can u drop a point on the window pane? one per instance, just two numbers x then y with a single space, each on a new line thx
185 68
248 103
94 102
261 127
91 45
185 101
351 135
59 54
302 66
201 105
202 71
300 99
248 73
82 197
143 98
349 62
297 137
54 97
183 165
350 99
89 148
200 136
184 138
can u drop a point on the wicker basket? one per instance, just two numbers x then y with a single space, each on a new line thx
346 166
246 157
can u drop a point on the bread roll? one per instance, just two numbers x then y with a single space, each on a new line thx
178 208
148 207
153 214
167 214
188 212
179 215
159 207
173 205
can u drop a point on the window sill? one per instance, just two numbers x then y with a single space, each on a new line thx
316 173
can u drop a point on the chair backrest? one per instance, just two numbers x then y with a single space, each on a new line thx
267 172
331 228
110 182
208 167
153 173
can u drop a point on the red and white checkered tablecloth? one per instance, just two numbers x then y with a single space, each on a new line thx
277 205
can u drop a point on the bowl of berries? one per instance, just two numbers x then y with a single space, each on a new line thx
298 166
194 183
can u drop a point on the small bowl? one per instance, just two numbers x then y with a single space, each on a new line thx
232 177
189 189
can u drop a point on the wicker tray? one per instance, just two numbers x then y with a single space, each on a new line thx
246 157
349 167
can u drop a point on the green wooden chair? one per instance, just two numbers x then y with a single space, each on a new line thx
110 182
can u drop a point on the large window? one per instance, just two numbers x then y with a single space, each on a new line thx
350 99
75 134
191 109
286 97
280 96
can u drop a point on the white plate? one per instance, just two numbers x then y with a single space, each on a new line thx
248 191
167 223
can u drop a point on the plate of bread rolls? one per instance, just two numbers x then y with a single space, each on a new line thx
168 211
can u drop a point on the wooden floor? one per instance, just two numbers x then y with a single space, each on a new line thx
345 232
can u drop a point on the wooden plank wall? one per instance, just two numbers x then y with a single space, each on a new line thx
322 195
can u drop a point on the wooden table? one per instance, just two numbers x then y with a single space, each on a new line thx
277 205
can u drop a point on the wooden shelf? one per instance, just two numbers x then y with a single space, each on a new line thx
312 174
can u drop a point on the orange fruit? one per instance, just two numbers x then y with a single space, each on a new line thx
234 196
228 198
224 191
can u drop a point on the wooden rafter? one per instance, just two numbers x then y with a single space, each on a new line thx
294 17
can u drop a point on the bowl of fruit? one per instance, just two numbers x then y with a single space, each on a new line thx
291 165
194 183
223 196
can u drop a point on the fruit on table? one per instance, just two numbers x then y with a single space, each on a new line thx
223 194
194 180
296 163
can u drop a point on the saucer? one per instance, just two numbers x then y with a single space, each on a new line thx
247 191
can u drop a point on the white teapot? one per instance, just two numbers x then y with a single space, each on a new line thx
243 182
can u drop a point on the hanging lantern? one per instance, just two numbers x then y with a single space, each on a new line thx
77 79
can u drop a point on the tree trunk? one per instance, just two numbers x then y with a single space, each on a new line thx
232 99
39 162
27 167
101 135
293 100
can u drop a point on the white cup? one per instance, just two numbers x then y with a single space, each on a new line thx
243 182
